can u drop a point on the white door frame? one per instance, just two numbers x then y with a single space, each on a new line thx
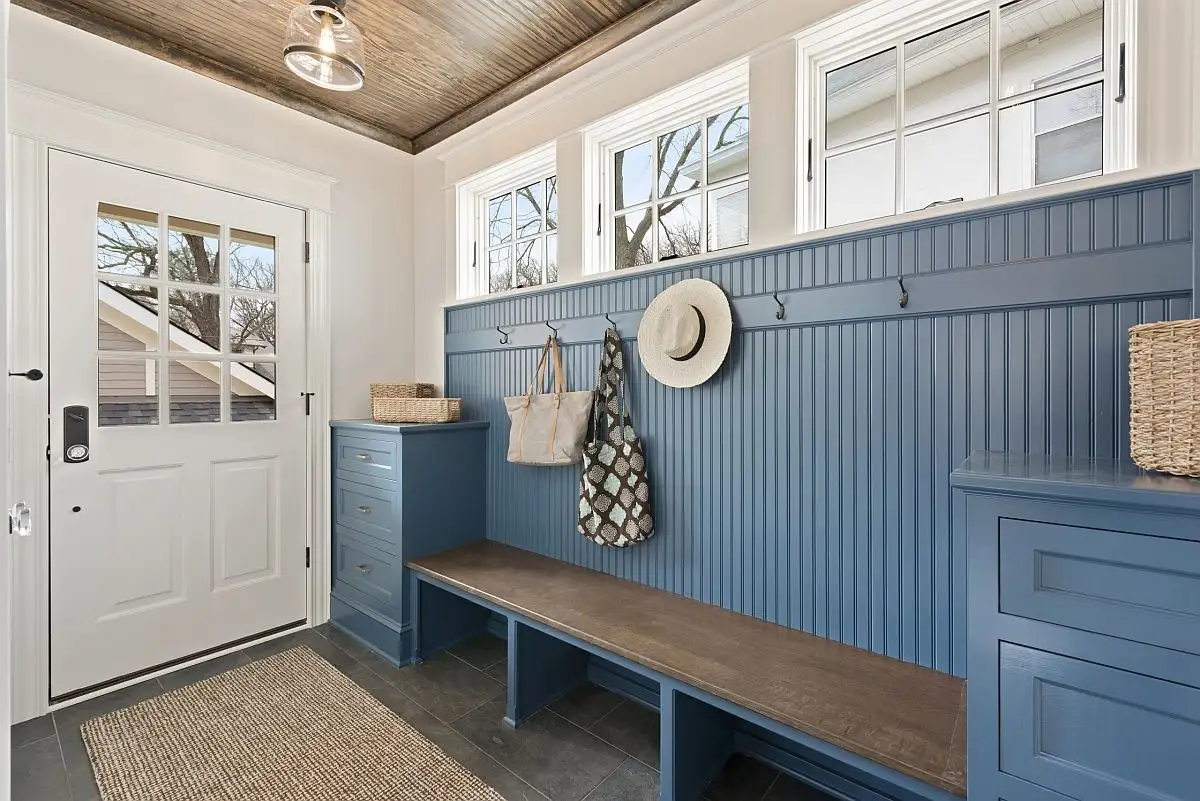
39 121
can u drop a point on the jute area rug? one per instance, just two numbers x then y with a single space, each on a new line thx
287 727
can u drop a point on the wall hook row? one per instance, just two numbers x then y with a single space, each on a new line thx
903 293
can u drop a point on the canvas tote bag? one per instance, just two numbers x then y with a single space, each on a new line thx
547 428
614 492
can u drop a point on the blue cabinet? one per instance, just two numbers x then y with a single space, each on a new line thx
1083 671
399 492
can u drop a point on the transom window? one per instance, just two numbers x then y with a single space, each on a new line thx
683 192
959 101
522 236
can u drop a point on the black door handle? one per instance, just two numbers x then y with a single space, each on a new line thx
33 375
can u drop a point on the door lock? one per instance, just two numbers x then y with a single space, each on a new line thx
75 434
33 375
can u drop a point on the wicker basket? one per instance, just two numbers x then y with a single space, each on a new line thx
416 410
410 390
1164 403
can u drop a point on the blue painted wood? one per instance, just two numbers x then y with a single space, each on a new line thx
399 492
541 669
442 618
1095 733
1145 589
806 483
1082 609
626 683
696 741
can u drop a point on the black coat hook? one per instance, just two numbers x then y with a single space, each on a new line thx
552 328
779 315
611 321
503 335
903 293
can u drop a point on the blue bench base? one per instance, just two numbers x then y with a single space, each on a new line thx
698 730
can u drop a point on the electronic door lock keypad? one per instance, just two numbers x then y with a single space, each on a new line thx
75 434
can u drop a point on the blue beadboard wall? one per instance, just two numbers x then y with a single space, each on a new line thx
807 483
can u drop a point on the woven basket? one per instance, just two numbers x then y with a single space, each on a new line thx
410 390
416 410
1164 402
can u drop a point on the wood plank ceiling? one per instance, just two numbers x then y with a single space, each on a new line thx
434 67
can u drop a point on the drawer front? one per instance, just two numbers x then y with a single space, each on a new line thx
1095 733
1132 586
368 510
368 575
370 457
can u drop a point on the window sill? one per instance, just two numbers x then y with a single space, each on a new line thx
881 224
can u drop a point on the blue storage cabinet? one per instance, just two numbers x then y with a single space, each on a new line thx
399 492
1083 671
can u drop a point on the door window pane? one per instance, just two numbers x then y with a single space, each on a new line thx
500 269
930 176
251 325
728 217
195 320
632 235
1040 38
126 316
251 261
729 144
860 99
632 169
529 210
127 241
252 392
861 184
552 258
947 70
552 203
499 220
679 229
679 167
193 251
195 391
127 391
529 263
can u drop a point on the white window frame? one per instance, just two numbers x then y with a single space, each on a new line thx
695 101
879 25
472 196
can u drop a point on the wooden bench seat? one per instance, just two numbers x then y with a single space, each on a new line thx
905 717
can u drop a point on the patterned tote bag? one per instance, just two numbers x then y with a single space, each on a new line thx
614 492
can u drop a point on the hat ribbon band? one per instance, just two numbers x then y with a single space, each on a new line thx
699 340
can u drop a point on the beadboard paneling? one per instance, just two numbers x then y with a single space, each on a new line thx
807 483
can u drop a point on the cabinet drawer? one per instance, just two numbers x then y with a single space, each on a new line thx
1136 587
369 510
1096 733
371 457
367 574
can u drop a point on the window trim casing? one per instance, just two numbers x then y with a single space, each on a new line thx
696 100
881 24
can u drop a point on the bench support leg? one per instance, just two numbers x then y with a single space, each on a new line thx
696 740
541 669
441 619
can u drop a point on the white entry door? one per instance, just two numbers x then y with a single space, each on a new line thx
177 424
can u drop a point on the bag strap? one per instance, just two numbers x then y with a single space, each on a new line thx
540 373
560 380
610 387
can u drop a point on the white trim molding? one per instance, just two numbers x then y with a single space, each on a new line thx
40 121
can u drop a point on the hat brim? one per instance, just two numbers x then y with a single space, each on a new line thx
712 304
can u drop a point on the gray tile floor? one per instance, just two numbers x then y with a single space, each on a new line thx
591 745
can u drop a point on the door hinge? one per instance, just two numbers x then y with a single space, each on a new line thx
308 252
47 453
1120 98
308 557
308 396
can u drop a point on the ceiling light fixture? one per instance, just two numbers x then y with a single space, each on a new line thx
324 47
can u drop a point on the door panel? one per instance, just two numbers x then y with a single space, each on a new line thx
177 319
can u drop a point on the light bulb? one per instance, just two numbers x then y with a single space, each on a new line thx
327 43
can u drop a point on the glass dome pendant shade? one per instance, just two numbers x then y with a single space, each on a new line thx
324 47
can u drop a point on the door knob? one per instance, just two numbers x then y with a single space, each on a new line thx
20 519
33 375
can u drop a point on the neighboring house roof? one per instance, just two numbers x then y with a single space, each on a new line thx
129 315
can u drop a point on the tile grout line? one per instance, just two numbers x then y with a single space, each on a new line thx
592 791
600 719
618 748
771 786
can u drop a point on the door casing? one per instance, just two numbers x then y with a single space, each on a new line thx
41 121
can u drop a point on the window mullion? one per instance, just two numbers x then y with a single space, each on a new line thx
994 100
704 184
512 239
655 166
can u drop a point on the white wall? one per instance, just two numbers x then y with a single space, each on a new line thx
371 266
708 35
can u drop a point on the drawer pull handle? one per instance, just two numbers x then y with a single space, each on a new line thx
363 568
364 510
363 457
